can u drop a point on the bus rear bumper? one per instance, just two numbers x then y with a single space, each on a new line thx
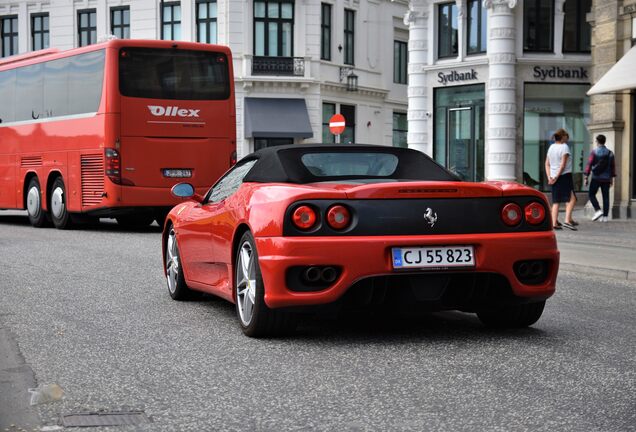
134 200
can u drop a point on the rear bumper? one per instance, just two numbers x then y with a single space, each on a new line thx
364 257
136 196
121 200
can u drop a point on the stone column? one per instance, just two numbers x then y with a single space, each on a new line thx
417 20
501 154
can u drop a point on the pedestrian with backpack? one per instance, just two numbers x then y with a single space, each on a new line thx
603 169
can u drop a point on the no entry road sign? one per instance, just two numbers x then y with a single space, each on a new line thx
337 124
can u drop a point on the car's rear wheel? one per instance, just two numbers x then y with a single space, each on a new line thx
177 287
523 315
37 216
256 319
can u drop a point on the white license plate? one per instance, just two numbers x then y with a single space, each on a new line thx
434 257
177 173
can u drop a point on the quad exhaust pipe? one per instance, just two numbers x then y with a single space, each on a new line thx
531 270
316 274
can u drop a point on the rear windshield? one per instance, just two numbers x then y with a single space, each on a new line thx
157 73
350 164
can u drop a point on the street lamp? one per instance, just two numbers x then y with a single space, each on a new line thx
352 78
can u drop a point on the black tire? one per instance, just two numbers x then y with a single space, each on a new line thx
175 280
263 321
135 221
38 217
57 205
523 315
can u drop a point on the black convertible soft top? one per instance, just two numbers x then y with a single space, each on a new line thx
284 164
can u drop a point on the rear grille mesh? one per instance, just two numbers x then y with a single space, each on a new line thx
92 179
31 161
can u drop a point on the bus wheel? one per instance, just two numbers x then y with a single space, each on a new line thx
59 212
135 221
37 216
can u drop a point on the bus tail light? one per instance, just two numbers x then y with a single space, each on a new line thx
233 158
112 165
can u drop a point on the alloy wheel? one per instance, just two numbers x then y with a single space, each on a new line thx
172 262
246 283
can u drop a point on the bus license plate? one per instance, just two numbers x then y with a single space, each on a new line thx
177 173
434 257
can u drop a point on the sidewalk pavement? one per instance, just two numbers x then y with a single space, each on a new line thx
597 248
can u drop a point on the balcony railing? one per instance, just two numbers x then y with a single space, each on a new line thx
285 66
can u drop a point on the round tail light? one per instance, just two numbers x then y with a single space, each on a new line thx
304 217
511 214
338 217
535 213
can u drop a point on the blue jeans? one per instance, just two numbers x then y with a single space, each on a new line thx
594 186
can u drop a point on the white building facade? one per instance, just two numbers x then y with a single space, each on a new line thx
293 59
495 79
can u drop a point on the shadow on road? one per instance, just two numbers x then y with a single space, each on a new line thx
383 327
104 225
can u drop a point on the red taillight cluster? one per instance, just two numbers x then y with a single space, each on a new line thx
112 165
535 213
338 217
512 215
304 217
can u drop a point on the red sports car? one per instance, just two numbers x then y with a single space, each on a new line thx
296 226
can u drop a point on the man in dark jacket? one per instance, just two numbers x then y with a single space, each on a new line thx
601 165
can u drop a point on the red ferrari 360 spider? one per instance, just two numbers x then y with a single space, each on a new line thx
296 226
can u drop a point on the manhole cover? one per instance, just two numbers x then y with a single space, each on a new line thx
104 419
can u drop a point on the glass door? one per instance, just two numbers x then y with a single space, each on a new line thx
461 142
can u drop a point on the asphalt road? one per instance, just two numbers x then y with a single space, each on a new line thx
88 310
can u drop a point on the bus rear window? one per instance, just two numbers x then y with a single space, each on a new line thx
173 74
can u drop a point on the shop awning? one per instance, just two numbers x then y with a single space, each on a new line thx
276 118
620 77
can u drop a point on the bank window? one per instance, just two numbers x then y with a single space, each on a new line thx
576 30
120 22
206 21
274 28
447 28
171 21
538 25
9 33
400 129
349 134
400 61
87 27
548 107
477 27
459 130
325 31
39 31
328 110
349 37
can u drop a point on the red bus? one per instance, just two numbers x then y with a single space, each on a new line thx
107 130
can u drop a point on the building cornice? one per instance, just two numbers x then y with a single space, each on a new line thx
364 91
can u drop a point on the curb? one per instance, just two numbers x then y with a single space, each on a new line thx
599 271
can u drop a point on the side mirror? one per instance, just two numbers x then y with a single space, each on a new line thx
182 190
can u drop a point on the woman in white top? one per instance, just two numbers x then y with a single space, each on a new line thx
558 168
